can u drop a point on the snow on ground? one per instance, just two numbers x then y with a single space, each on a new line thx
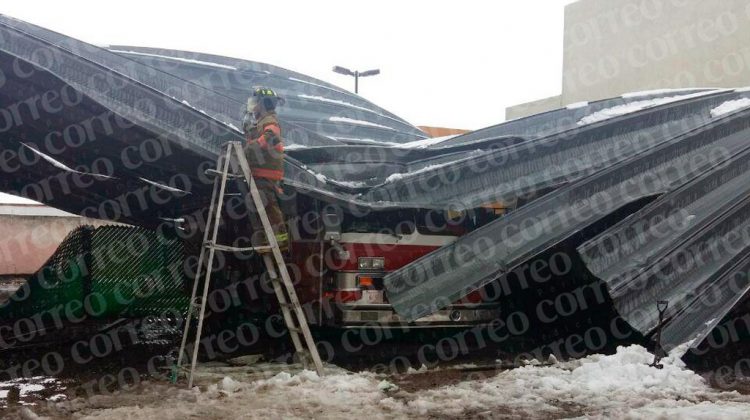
614 386
628 108
729 107
303 395
622 385
425 143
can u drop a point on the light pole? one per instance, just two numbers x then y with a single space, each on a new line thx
356 73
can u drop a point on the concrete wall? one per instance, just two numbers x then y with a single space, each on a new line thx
29 236
534 107
617 46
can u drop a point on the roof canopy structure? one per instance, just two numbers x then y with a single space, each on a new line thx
126 133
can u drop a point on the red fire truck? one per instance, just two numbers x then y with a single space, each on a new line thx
342 275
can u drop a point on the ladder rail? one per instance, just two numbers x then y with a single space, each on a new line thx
275 265
202 255
209 265
271 238
284 304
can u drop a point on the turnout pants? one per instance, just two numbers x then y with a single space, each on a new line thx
269 193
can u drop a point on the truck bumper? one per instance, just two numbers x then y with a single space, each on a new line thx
380 316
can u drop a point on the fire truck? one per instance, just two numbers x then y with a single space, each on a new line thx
339 268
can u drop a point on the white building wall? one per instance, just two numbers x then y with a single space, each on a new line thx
617 46
534 107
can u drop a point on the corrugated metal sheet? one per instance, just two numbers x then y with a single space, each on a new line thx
689 247
312 105
487 253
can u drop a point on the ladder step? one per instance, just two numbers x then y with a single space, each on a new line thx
295 329
214 172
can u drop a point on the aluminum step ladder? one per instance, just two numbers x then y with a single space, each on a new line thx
232 165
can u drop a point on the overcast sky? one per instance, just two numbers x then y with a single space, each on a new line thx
444 63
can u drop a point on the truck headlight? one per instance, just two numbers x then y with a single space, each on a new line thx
371 263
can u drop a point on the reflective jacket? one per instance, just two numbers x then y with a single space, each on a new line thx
265 149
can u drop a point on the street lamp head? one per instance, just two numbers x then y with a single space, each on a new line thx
343 70
356 74
373 72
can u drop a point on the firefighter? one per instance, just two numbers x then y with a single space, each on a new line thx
265 154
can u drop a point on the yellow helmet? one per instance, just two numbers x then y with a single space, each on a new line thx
264 97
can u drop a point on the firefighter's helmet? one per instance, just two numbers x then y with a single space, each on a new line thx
266 98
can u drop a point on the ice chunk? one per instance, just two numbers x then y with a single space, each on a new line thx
230 385
26 388
386 386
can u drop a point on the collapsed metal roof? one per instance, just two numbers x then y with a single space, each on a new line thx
127 132
313 105
679 149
